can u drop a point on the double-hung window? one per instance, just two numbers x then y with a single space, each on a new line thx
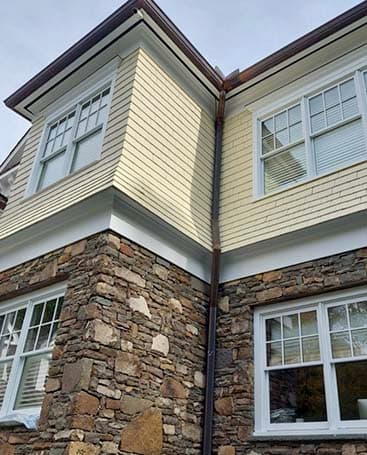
311 366
321 133
73 140
27 335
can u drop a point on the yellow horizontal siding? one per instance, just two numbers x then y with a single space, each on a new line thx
167 158
246 220
22 212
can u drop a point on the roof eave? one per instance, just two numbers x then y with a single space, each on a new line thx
102 31
299 45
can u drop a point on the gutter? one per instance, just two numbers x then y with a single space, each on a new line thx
214 286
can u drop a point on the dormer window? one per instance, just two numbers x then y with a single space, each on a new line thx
73 140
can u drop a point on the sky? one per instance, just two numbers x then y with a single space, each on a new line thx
231 34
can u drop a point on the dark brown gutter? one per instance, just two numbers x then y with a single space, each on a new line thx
104 29
214 287
324 31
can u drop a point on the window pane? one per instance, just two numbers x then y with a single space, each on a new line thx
316 105
297 395
338 317
347 90
32 384
37 314
5 368
281 139
44 332
295 132
280 121
333 115
19 319
273 329
331 97
290 326
267 127
340 345
309 323
350 108
292 352
358 314
359 341
49 311
31 339
268 144
318 122
87 150
352 389
311 349
52 171
294 114
285 168
274 353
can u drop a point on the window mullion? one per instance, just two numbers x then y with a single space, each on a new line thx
311 166
331 394
70 147
17 365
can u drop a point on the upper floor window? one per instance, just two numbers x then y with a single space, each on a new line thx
27 336
311 366
73 140
321 133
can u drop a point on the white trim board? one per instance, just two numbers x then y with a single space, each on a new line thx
112 210
325 239
109 210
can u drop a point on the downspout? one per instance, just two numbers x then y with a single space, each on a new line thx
213 300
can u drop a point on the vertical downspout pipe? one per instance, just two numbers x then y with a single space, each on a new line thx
214 287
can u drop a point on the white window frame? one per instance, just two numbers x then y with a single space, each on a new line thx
302 99
8 414
101 80
334 425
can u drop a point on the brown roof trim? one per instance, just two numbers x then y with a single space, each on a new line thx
104 29
324 31
162 20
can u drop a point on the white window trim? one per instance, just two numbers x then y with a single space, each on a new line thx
334 425
100 80
309 91
8 414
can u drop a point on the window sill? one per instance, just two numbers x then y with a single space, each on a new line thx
29 420
307 437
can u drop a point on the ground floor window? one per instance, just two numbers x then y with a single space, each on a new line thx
28 328
311 365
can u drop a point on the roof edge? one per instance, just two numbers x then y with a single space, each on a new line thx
311 38
102 30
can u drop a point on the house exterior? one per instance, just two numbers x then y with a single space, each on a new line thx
183 264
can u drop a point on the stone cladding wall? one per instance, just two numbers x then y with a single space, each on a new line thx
234 402
127 369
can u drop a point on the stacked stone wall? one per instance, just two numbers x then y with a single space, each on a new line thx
234 404
127 374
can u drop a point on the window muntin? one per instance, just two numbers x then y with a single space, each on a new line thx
317 349
327 133
74 140
27 336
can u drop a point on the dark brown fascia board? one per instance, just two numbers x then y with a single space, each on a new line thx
290 50
104 29
153 10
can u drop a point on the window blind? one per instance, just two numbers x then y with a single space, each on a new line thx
338 147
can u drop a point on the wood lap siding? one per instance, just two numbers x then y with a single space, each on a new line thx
245 220
21 212
167 158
